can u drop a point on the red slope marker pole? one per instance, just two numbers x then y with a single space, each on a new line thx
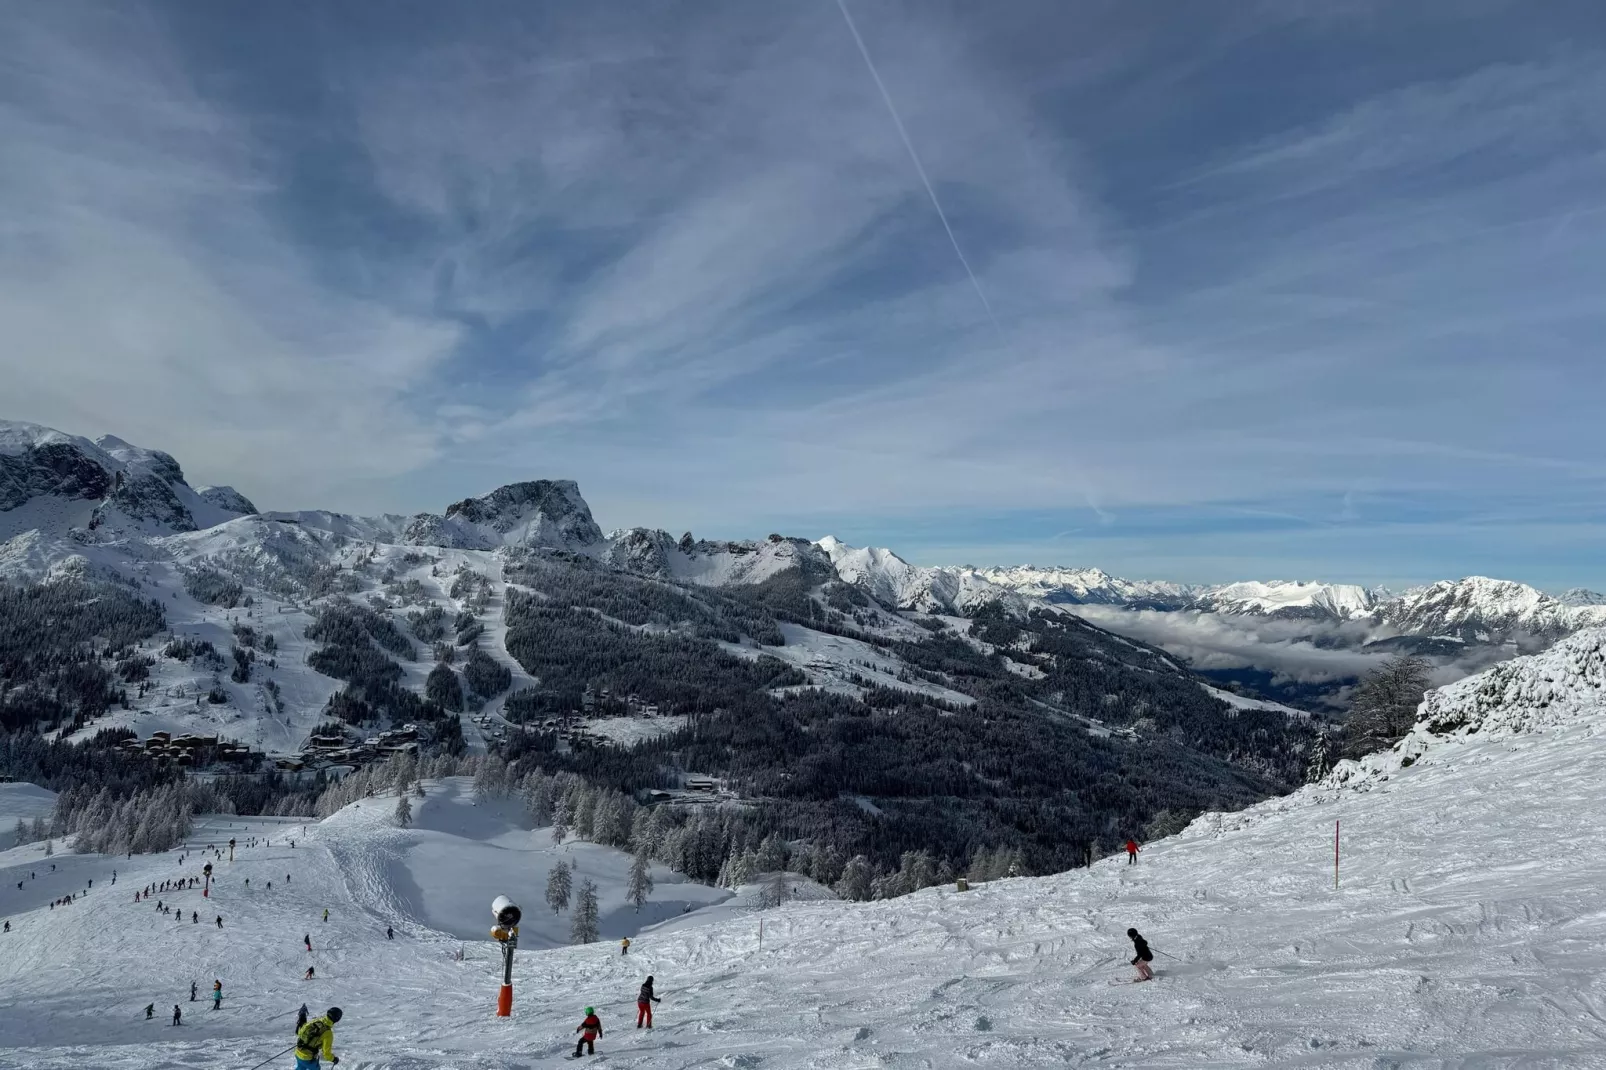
1335 856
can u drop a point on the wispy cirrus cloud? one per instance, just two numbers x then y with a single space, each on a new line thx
1247 259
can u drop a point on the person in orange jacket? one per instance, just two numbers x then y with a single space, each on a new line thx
589 1031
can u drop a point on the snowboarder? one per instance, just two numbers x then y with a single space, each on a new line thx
390 934
1131 852
178 1015
217 994
193 988
590 1030
624 947
1144 955
301 1017
150 1009
316 1038
644 1001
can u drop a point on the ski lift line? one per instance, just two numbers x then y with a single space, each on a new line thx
914 158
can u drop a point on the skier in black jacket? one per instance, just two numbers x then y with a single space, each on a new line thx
644 1001
1144 955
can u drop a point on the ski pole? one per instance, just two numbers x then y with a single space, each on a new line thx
270 1058
1171 957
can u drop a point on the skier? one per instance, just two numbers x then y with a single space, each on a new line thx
195 917
1144 955
644 1001
307 939
8 926
390 934
308 975
301 1017
192 991
326 915
217 994
150 1009
624 947
589 1031
220 921
178 1015
1131 852
315 1038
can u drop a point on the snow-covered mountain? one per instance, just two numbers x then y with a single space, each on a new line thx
1337 601
1432 943
892 581
1090 586
542 513
53 483
1479 609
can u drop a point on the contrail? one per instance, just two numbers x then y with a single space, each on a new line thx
915 159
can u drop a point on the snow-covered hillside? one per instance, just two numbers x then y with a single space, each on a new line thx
1465 930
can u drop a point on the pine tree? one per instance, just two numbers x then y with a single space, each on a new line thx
22 831
560 820
640 881
585 928
404 810
50 848
418 788
557 887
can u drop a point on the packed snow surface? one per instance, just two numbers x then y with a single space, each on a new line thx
1468 929
22 802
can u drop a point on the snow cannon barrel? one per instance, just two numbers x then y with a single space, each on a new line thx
506 912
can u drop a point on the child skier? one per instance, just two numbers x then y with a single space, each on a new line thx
644 1001
590 1030
1144 955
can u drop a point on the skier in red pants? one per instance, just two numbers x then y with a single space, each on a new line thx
1131 852
644 1001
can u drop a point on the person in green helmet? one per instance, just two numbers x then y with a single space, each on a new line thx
589 1031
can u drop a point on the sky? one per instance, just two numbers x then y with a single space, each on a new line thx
1199 292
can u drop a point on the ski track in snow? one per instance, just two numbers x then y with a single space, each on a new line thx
1468 931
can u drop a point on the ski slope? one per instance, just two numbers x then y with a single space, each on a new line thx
1468 930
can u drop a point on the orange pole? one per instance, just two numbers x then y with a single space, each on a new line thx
504 1002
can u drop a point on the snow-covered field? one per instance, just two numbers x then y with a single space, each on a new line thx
1468 930
22 802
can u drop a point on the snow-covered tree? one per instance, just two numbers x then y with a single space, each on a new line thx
640 886
560 820
558 883
404 810
585 928
50 848
855 880
771 854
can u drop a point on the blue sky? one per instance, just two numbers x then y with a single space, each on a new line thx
1265 289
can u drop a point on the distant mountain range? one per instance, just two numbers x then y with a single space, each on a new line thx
66 498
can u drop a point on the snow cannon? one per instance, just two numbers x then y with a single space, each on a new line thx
506 932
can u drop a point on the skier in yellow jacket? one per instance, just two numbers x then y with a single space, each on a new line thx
317 1036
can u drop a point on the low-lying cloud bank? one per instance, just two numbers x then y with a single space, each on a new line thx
1294 651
